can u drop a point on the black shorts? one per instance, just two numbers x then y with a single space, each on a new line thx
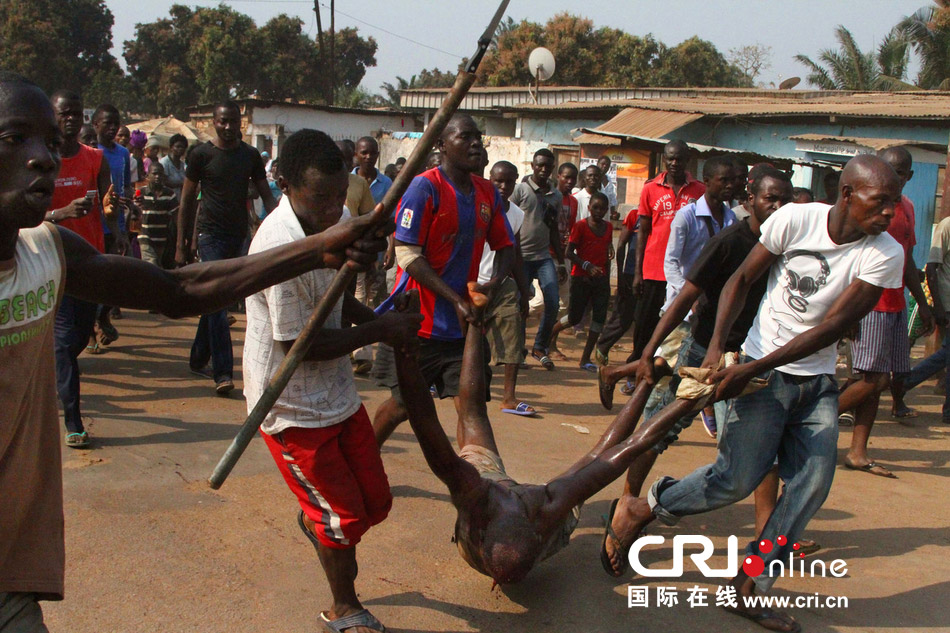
440 362
593 291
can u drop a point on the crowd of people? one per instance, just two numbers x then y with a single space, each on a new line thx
737 286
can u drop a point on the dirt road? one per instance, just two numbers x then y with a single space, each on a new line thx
151 548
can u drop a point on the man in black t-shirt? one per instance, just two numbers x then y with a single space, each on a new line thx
222 167
769 190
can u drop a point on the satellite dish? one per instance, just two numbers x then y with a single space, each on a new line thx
541 64
789 83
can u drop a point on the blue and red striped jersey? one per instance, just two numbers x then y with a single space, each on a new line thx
452 229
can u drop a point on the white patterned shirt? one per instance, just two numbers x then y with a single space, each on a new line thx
320 393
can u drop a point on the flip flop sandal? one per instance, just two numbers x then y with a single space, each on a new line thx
94 348
609 534
709 424
767 614
361 618
869 468
906 412
808 547
77 440
627 388
522 408
590 367
605 390
600 358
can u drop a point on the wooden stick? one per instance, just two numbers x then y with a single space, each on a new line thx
341 281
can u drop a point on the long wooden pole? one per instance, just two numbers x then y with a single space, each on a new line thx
344 276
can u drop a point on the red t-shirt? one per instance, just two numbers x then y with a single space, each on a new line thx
590 247
901 229
78 175
660 204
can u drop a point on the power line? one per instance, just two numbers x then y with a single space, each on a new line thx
356 19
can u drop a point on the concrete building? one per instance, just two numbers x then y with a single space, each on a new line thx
266 123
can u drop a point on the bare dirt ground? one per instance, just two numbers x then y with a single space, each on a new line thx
151 548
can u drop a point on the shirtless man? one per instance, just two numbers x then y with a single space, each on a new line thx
504 528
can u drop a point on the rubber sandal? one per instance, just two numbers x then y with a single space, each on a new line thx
709 424
77 440
544 359
807 547
869 468
605 389
522 408
609 533
906 412
589 367
627 388
361 618
95 348
600 358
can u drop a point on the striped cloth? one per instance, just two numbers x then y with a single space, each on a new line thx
882 344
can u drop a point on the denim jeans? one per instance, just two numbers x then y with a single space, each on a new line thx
213 338
71 331
794 418
930 366
544 271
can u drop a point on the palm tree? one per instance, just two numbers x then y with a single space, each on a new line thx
848 68
928 31
391 91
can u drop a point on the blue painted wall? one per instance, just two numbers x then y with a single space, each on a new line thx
772 139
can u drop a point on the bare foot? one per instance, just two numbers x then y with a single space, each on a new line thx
555 354
632 515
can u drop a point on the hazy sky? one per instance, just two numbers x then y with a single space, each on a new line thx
453 26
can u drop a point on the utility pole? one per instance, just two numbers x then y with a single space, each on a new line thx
332 50
328 83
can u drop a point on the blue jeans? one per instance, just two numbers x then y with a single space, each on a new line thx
795 418
544 271
71 331
213 338
930 366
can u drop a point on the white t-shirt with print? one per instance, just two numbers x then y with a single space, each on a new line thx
320 393
487 266
809 276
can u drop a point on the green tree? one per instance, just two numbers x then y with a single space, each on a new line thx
849 68
603 57
290 66
697 63
56 43
928 32
354 54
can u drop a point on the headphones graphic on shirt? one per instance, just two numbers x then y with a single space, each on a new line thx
799 287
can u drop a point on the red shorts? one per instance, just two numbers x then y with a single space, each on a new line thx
338 477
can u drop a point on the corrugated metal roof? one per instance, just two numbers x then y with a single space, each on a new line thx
877 144
597 139
917 104
648 123
699 148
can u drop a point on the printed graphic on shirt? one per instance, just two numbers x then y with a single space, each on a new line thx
407 219
29 306
810 274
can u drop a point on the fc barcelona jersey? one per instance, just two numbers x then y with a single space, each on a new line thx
452 228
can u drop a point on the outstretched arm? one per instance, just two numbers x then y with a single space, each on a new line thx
203 288
611 457
457 474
